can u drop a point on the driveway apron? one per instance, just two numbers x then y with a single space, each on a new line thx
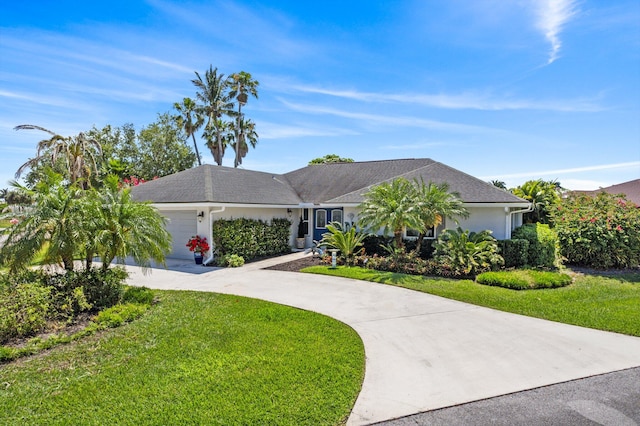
423 352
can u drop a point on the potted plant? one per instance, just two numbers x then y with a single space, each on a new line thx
301 232
198 245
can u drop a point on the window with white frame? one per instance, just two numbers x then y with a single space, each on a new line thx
336 216
321 218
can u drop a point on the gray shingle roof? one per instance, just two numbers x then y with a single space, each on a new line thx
217 184
334 183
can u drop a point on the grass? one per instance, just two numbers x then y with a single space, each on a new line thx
196 358
524 279
594 301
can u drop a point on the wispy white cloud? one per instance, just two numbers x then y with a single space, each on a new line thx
389 120
469 100
414 146
545 173
278 131
551 16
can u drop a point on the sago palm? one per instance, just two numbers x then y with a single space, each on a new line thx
347 242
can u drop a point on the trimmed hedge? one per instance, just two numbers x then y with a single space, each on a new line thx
515 252
250 238
524 279
543 243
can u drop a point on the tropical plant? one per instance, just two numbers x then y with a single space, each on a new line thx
600 232
53 225
189 120
347 241
240 136
78 153
216 102
241 85
543 244
330 158
498 184
467 253
544 195
433 203
123 227
390 207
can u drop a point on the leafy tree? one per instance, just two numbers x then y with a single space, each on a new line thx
433 203
498 184
215 103
77 152
189 120
347 241
120 150
330 158
163 149
391 207
467 253
543 194
600 232
241 85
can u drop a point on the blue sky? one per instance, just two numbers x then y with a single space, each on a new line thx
509 90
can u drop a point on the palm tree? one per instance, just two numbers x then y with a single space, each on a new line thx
124 227
543 195
391 206
241 85
53 225
245 133
433 203
78 152
189 120
216 102
498 184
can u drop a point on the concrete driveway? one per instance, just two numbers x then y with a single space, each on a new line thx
423 352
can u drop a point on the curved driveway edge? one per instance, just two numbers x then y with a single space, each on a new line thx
423 352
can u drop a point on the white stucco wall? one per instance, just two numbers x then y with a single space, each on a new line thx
481 218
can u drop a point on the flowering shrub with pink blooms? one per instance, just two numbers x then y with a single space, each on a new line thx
600 232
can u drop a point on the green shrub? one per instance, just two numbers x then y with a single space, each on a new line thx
375 244
140 295
543 244
524 279
463 253
514 252
23 310
231 260
117 315
251 238
599 232
102 288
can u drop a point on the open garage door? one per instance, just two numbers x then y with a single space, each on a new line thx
181 226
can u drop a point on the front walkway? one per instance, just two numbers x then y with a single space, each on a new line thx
422 352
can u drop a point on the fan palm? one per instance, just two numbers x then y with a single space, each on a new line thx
189 120
390 207
241 85
216 102
245 133
78 152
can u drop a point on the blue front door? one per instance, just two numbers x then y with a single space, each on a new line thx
324 216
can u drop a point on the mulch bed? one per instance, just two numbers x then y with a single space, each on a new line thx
297 265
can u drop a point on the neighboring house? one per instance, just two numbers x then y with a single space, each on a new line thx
320 194
631 189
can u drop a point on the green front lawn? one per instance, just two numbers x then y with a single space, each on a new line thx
605 303
196 358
